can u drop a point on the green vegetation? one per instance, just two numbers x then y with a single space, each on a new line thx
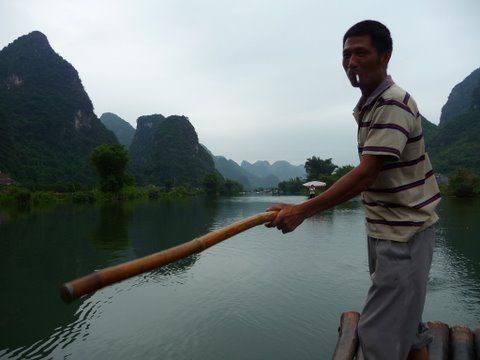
463 183
317 168
26 198
122 129
337 174
293 187
48 133
110 161
231 187
325 170
47 124
455 143
166 150
214 184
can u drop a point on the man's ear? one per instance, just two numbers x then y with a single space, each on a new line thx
385 58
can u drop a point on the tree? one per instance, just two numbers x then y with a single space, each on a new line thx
231 187
317 168
110 161
464 183
342 170
212 183
337 174
292 186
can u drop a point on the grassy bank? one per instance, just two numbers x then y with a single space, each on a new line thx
20 196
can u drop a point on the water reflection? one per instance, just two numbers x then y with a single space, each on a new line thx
260 294
38 253
12 212
454 283
459 220
159 226
41 250
112 229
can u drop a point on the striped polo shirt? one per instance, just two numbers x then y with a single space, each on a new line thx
402 200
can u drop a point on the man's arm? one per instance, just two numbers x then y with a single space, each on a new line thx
351 184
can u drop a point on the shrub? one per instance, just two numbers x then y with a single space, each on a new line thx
84 197
44 197
154 193
464 183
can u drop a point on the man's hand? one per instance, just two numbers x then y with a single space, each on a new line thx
349 185
288 217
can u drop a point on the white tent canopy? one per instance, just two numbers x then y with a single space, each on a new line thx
315 184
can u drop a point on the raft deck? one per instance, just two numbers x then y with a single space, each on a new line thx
456 342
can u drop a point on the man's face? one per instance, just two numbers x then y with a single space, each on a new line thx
364 66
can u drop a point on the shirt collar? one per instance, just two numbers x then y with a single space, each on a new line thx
386 83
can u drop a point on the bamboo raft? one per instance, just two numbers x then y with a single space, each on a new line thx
457 342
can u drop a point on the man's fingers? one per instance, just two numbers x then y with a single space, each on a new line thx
282 221
274 222
276 207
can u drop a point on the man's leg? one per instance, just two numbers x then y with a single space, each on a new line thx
388 325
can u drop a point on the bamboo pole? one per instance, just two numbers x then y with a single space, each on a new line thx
438 348
74 289
347 343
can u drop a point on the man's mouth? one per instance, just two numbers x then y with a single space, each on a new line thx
354 78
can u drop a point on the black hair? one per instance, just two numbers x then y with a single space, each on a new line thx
379 33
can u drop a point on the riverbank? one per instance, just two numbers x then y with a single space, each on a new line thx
21 196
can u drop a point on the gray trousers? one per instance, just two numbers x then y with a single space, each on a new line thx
390 324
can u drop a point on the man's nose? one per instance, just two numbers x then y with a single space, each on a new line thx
352 62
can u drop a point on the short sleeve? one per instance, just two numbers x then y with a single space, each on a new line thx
389 129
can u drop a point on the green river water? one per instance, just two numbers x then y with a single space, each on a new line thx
258 295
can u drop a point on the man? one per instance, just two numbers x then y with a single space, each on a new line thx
399 193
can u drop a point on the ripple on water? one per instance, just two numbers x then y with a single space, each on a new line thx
62 336
258 295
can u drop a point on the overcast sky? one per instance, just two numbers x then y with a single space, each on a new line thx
259 80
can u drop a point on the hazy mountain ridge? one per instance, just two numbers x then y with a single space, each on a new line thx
231 170
47 124
281 169
261 174
269 175
121 128
48 129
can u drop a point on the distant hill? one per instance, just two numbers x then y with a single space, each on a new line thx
430 130
47 124
456 141
283 170
231 170
165 150
261 174
121 128
461 98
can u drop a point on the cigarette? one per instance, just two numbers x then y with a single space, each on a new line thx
357 78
